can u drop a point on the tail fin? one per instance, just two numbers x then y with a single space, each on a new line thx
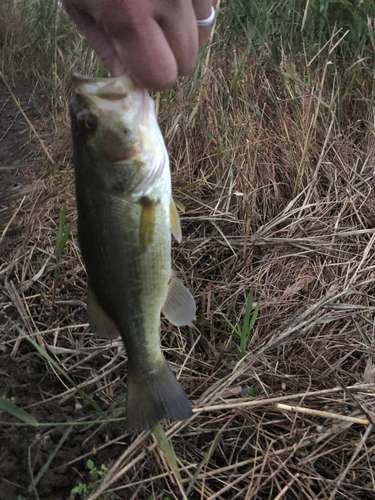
153 398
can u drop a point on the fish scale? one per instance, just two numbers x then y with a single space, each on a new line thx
126 215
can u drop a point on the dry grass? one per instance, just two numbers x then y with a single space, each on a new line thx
276 177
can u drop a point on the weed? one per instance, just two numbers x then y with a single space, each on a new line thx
61 239
243 329
96 476
9 406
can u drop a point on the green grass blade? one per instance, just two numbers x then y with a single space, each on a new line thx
235 329
243 345
221 331
65 424
59 369
254 316
179 205
62 241
249 306
206 458
52 456
61 223
248 321
16 411
168 452
62 237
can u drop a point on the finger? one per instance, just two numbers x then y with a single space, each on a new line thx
95 36
146 54
180 29
202 9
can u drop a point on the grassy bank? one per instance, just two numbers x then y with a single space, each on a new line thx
271 144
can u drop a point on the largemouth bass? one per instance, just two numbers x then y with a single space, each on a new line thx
126 215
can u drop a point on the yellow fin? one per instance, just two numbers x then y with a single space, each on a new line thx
100 323
179 307
175 221
146 230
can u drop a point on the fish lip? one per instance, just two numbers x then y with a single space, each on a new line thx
120 85
79 78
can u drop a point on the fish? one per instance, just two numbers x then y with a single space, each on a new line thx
126 219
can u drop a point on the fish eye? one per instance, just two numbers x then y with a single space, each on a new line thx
88 122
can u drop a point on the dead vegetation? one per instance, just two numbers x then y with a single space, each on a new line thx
275 171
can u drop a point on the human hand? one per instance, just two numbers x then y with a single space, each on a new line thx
153 41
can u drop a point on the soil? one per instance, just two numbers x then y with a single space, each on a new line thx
25 449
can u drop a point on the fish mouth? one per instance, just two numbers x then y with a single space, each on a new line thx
114 93
112 89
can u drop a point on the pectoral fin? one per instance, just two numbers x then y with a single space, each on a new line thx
175 221
179 307
100 323
147 226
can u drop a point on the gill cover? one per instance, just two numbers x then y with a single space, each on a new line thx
127 129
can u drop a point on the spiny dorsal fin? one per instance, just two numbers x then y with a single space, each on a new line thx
175 221
179 307
100 323
147 226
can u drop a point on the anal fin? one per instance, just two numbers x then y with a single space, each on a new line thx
179 307
100 323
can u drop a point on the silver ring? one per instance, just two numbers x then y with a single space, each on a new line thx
208 21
